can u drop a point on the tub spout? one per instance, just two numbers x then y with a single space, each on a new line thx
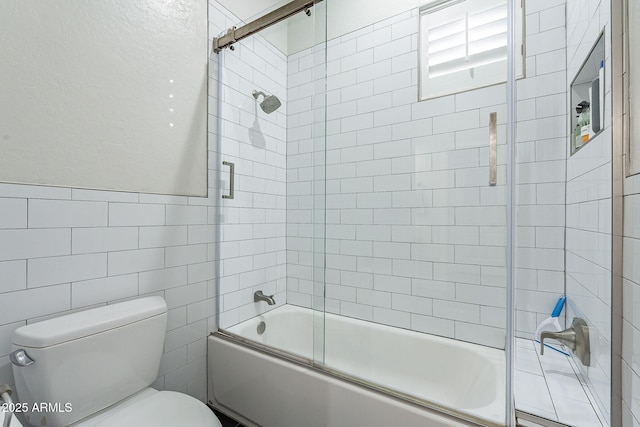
259 296
576 338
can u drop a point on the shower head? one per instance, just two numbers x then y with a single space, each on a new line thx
269 104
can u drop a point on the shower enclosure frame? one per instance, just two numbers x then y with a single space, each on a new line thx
234 35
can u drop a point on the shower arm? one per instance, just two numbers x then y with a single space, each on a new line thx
234 34
257 93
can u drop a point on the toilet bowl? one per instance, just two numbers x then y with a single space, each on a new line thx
95 368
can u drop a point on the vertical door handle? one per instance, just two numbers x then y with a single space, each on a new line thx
493 141
231 180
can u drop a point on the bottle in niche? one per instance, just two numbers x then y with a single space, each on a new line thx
582 136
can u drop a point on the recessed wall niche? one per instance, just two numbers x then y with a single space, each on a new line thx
587 99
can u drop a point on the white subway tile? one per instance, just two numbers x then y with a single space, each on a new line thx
433 289
63 213
13 213
55 270
21 244
386 283
481 255
484 295
432 325
358 311
197 311
154 237
391 317
374 71
485 335
374 298
103 239
374 39
455 235
456 311
413 304
124 262
185 295
392 49
185 215
14 276
130 214
392 250
30 303
456 122
359 280
181 255
340 292
456 273
103 290
159 280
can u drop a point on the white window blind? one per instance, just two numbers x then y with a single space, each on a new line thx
463 46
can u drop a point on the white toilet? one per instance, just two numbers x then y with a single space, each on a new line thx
94 368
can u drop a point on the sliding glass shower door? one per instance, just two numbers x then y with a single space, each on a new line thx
364 191
417 202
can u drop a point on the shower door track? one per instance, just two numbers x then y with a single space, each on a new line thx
308 363
234 34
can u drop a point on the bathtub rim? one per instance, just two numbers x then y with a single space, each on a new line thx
233 338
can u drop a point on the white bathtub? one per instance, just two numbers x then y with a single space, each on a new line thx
463 379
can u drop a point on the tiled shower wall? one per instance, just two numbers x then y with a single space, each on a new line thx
415 236
63 249
540 166
588 235
253 224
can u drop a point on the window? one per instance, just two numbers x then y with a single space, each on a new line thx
463 46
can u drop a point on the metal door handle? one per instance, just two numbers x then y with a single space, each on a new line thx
231 180
493 141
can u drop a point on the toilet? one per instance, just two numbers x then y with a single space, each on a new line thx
94 369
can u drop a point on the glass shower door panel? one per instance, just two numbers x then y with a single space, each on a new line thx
252 205
416 210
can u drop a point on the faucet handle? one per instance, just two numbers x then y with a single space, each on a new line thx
576 338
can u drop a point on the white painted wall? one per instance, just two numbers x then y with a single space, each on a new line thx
108 95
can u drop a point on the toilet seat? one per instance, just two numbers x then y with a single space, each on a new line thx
155 408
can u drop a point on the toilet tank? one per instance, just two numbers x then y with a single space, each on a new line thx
87 361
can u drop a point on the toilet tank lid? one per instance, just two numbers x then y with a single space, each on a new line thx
84 323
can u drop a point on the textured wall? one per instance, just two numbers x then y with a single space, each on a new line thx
120 84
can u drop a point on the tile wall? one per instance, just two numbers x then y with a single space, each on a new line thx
65 249
540 166
415 236
588 219
253 224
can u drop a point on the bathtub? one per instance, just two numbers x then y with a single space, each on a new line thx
372 374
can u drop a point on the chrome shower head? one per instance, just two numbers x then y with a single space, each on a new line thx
269 104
